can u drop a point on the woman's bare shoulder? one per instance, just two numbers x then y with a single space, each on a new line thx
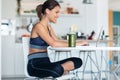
37 26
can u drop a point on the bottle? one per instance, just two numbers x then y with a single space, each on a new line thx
72 39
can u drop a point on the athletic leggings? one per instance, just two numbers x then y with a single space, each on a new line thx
42 67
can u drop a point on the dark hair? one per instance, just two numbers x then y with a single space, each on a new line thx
49 4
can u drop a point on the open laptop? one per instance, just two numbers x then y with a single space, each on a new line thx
99 35
97 40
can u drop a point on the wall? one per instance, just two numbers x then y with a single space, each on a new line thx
8 9
102 15
113 5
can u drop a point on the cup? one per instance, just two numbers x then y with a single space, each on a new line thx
72 40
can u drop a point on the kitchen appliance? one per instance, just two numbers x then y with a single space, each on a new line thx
7 27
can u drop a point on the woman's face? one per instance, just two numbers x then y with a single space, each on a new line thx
54 14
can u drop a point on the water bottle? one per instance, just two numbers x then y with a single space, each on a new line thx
72 39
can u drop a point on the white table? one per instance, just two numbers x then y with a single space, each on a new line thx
87 48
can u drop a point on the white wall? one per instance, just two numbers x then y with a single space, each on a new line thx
102 15
113 5
9 9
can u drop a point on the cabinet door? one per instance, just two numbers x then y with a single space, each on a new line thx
19 60
12 57
8 56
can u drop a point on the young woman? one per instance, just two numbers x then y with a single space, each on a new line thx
42 36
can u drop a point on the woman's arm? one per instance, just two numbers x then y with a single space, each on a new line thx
51 40
53 33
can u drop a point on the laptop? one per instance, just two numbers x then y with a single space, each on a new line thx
97 40
99 35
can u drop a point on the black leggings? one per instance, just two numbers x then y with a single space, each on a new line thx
42 67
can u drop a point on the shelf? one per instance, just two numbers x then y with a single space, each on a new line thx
31 1
70 15
29 5
62 15
29 15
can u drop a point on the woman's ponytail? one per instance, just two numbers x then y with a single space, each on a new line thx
39 11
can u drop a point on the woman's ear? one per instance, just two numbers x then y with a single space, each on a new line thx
47 11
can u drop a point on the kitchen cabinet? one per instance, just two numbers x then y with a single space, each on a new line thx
12 58
7 56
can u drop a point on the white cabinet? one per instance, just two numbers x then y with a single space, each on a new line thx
12 57
7 56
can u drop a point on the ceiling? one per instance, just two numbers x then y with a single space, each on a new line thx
114 5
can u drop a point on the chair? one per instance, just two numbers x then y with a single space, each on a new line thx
25 42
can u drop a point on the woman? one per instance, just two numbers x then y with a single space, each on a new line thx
43 35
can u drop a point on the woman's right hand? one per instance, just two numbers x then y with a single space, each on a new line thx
82 43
